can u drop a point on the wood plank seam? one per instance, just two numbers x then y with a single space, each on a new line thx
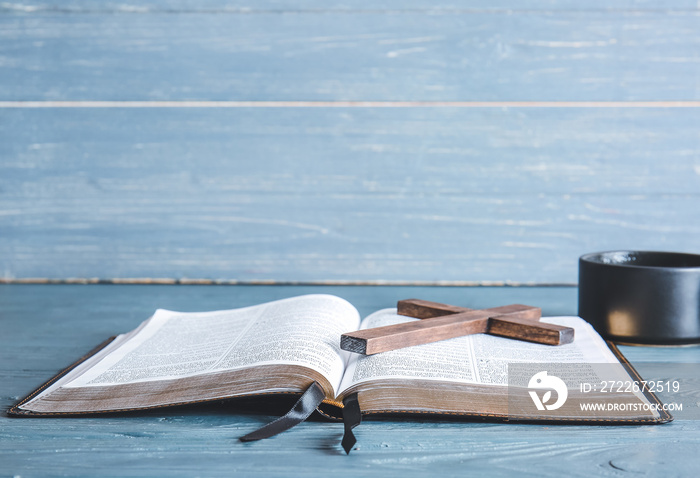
320 282
349 104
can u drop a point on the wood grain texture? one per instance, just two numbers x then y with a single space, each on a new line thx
483 195
379 6
46 327
425 309
407 334
523 328
485 55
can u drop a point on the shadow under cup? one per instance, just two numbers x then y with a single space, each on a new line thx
641 297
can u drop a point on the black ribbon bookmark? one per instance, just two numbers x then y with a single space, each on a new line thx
302 409
352 416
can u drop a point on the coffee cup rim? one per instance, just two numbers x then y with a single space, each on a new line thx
651 260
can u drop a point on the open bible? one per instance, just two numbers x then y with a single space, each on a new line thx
283 347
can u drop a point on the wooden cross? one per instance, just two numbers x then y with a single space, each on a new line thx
444 321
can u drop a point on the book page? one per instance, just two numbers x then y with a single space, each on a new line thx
298 331
475 359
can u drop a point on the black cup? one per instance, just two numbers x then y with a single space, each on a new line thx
641 297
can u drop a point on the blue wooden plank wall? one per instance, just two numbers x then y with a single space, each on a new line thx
462 142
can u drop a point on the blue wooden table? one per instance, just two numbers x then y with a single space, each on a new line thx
48 326
342 147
